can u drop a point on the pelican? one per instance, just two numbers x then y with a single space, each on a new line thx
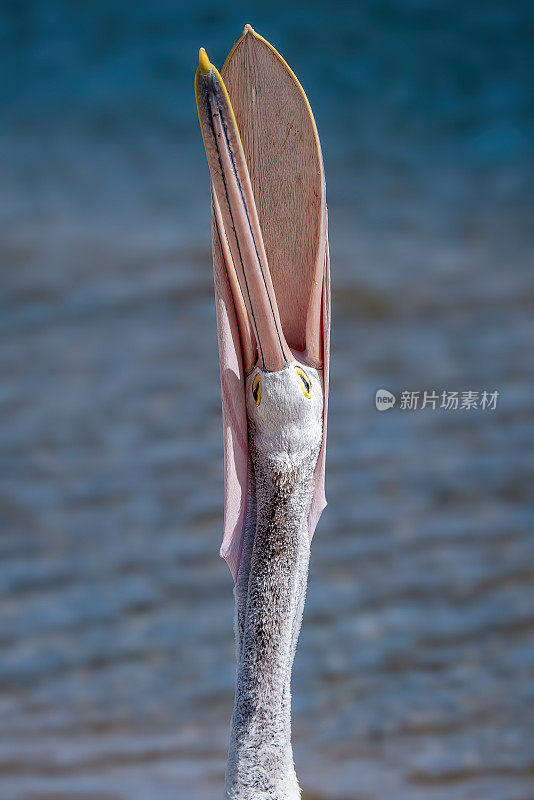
272 292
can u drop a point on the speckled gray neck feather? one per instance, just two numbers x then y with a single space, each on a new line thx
270 592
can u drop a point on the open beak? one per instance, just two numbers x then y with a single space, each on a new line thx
267 313
262 339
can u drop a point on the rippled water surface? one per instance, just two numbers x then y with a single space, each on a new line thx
413 676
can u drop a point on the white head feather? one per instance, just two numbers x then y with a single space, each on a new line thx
286 413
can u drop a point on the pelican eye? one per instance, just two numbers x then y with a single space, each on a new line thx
303 381
256 389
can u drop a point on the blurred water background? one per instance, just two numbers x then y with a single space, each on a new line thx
413 676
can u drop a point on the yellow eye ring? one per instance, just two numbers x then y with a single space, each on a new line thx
304 382
256 389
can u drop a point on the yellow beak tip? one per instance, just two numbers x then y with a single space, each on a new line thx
203 61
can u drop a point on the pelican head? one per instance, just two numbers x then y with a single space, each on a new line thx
285 412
